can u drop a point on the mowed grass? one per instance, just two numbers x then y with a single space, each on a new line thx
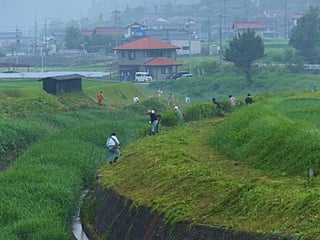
246 172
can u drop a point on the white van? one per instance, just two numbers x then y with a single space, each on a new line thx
142 77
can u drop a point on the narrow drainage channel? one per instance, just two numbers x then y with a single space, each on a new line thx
77 230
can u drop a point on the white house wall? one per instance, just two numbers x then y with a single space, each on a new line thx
184 44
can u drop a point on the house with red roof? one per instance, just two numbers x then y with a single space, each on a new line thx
147 55
241 27
296 17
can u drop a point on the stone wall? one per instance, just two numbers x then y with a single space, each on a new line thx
117 218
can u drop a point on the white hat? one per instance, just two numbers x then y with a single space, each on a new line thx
153 111
176 107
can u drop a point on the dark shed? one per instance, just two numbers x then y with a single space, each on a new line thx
62 84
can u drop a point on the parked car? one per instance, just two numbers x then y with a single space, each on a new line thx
186 75
176 75
142 77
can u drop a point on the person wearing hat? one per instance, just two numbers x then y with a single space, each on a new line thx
112 145
154 121
178 113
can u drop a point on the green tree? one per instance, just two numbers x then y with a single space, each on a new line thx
243 50
305 37
73 38
100 43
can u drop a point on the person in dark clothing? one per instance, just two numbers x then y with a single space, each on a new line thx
214 101
249 99
154 121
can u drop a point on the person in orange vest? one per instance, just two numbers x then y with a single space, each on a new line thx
100 98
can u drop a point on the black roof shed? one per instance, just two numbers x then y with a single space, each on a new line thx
62 84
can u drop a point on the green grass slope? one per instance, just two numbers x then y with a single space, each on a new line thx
246 172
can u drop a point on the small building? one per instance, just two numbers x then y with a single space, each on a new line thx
241 27
62 84
147 55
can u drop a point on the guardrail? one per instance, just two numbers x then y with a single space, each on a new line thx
311 67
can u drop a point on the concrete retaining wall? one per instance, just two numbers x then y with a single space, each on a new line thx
117 218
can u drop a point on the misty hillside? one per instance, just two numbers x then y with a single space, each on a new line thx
245 10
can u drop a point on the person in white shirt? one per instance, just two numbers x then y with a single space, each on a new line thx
232 100
112 145
136 99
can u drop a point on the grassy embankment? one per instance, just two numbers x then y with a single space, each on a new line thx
53 171
60 141
249 172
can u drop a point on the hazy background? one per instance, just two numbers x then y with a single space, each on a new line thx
24 13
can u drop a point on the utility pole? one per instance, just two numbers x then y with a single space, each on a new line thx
45 35
285 20
116 17
17 45
189 33
225 23
209 30
43 44
246 6
117 24
220 35
35 47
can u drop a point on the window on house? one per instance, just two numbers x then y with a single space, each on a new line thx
164 70
132 55
169 54
123 54
156 54
150 54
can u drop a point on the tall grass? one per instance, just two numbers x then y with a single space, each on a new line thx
39 195
266 139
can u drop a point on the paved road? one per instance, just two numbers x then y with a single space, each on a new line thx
39 75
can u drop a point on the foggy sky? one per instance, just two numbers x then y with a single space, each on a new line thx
24 13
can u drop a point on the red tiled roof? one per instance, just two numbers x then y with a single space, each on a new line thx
248 25
160 61
87 32
297 15
146 44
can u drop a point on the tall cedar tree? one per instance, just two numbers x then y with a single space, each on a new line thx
73 38
305 36
243 50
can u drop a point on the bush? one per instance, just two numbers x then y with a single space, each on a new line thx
155 103
202 110
169 119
